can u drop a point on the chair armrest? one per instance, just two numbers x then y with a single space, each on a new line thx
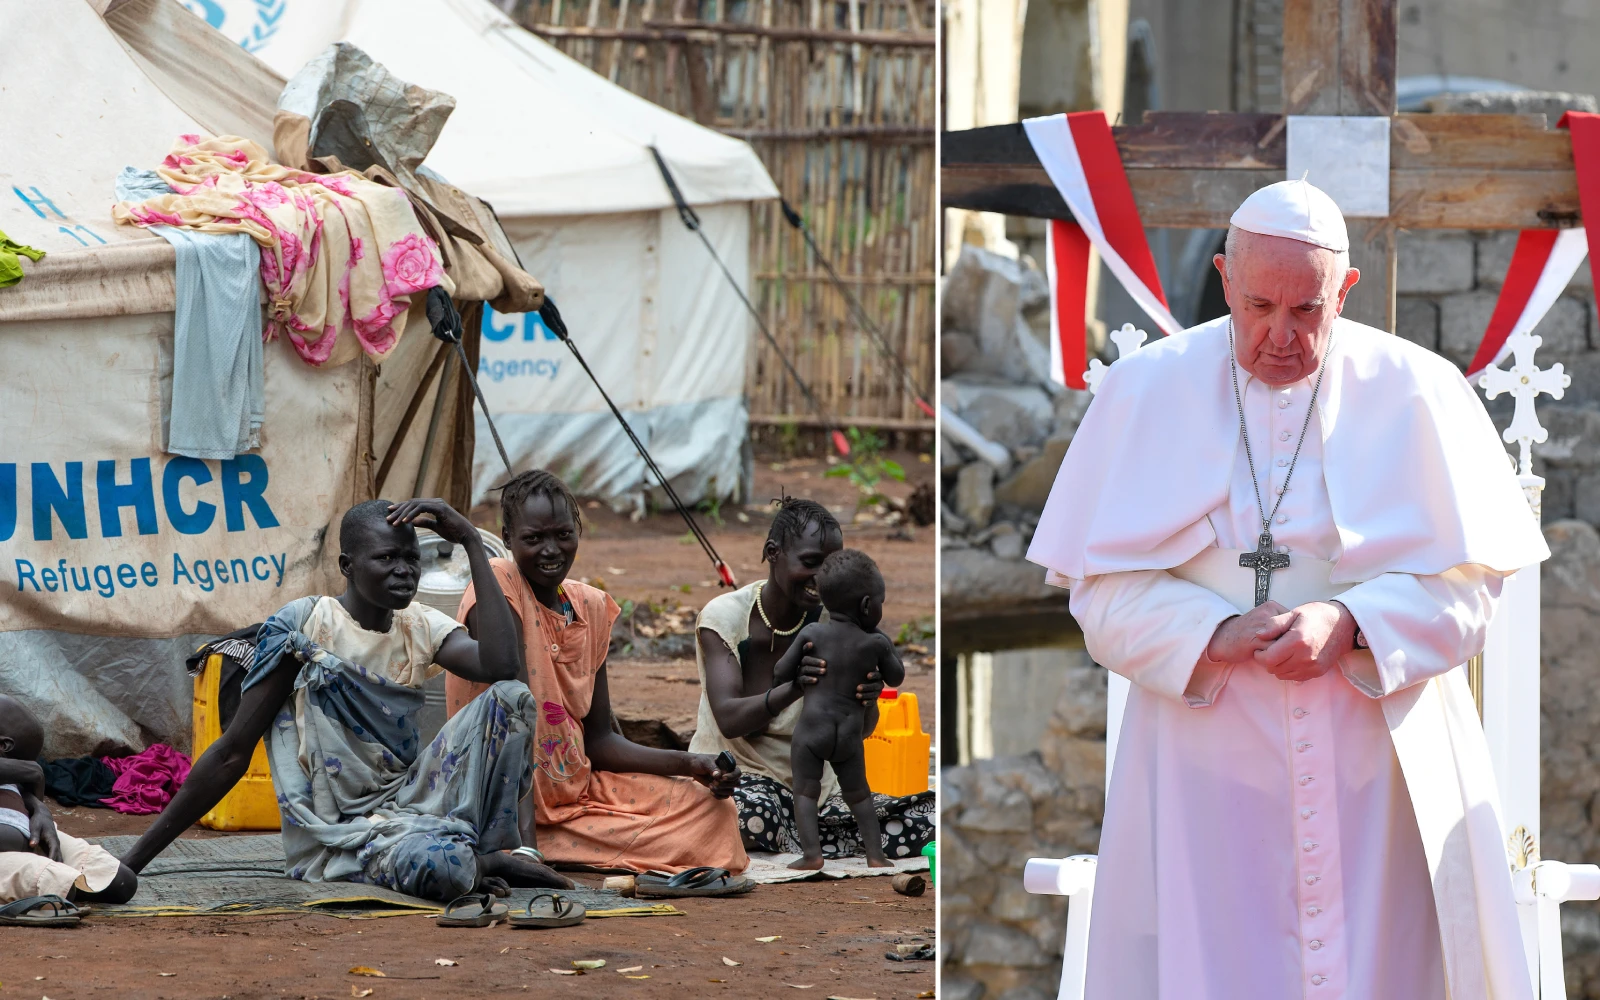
1059 876
1555 881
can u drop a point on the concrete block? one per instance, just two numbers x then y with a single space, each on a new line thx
1029 486
1008 414
998 944
1462 320
1464 317
1417 320
1008 547
975 494
1494 260
1434 262
958 352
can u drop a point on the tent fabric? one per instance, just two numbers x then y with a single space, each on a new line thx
672 355
148 554
534 132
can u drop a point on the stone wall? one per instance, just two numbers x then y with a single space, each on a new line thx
1449 283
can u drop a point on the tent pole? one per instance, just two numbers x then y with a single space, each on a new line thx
433 432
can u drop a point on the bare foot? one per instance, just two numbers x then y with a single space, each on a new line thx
879 861
807 863
522 873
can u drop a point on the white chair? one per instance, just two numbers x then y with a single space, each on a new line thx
1074 878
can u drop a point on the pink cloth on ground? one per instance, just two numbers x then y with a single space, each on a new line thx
146 781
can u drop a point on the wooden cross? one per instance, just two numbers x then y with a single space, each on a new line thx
1192 169
1263 560
1524 381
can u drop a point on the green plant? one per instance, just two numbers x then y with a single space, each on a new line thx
866 467
915 631
711 506
789 439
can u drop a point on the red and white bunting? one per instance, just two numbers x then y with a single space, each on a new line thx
1546 259
1081 157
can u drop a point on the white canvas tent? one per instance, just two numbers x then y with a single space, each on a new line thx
116 557
564 157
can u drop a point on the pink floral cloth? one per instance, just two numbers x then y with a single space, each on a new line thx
339 252
146 781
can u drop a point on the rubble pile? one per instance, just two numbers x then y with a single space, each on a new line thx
1012 426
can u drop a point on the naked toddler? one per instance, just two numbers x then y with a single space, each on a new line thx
831 718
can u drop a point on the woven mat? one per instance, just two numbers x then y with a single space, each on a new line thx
245 875
769 869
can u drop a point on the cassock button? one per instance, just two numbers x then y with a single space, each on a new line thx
1283 404
1302 747
1311 880
1316 946
1318 980
1283 436
1307 813
1308 846
1299 713
1283 519
1312 911
1305 779
1282 462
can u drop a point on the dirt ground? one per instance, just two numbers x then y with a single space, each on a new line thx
832 936
247 957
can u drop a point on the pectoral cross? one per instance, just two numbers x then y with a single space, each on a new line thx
1263 560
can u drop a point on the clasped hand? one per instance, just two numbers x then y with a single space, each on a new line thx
1297 644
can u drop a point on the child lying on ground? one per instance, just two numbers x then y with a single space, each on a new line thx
831 717
35 858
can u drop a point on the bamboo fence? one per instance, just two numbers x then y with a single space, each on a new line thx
837 98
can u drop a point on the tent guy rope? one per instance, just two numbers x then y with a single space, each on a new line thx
691 221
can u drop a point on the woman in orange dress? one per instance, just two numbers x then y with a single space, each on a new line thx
599 799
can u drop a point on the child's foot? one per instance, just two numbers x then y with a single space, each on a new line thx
879 860
807 863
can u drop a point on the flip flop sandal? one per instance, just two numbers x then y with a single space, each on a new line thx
60 912
475 909
547 910
702 881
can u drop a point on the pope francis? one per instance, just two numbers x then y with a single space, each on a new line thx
1289 530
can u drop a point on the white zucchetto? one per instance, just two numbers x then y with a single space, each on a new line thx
1295 210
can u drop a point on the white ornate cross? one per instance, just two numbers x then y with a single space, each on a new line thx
1524 381
1127 340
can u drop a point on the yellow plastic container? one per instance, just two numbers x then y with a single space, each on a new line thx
898 750
252 804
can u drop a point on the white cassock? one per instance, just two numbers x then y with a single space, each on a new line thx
1336 838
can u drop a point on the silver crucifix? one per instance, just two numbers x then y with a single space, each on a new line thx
1263 560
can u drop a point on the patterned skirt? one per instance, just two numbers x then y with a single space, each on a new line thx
766 821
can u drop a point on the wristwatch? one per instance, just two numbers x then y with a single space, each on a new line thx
1361 640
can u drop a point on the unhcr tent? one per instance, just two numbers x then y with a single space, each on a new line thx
117 558
563 155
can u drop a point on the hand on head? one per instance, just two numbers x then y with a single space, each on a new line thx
435 515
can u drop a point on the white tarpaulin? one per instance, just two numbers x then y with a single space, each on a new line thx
564 156
116 558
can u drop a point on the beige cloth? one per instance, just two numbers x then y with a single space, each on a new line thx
87 866
403 655
767 752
